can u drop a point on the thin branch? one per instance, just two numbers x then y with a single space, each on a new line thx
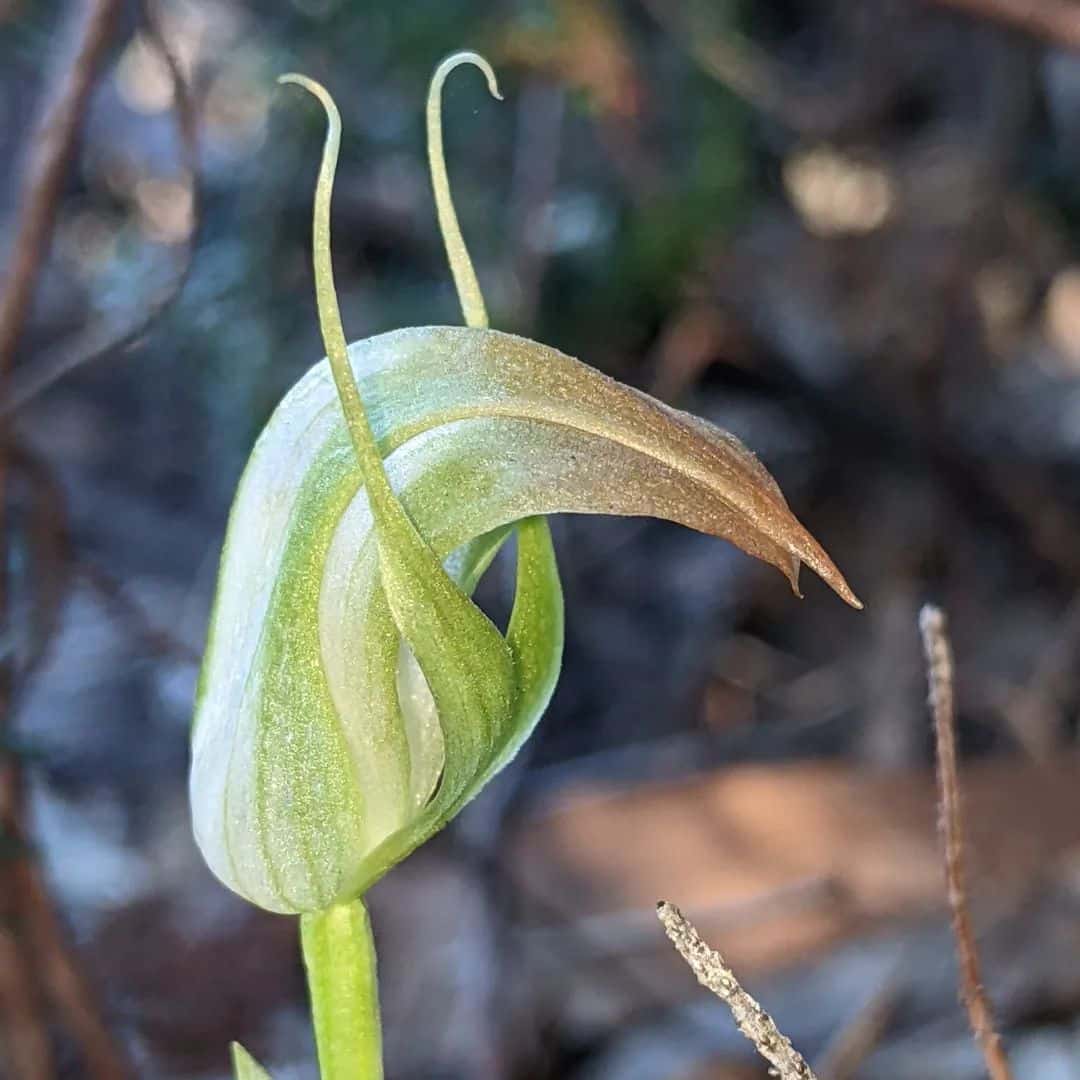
1056 22
1033 710
26 1035
63 976
714 974
154 637
767 85
854 1042
35 934
737 63
44 180
28 1051
48 536
751 74
939 667
32 927
37 379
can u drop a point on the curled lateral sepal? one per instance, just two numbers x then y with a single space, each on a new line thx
352 697
464 659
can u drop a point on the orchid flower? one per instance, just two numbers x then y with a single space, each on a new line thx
353 697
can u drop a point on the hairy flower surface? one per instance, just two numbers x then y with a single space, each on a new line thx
353 697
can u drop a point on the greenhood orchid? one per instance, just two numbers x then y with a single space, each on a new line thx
353 697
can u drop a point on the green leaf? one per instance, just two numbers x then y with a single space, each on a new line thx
245 1067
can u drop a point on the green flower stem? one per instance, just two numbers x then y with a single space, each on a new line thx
339 955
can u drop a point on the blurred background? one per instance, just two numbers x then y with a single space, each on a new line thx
847 232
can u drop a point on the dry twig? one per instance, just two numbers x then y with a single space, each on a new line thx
748 72
48 537
54 145
767 85
154 637
1033 710
35 380
854 1042
714 974
34 927
67 984
1054 21
29 1054
939 666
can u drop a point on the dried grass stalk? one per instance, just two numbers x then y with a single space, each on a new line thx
714 974
939 669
